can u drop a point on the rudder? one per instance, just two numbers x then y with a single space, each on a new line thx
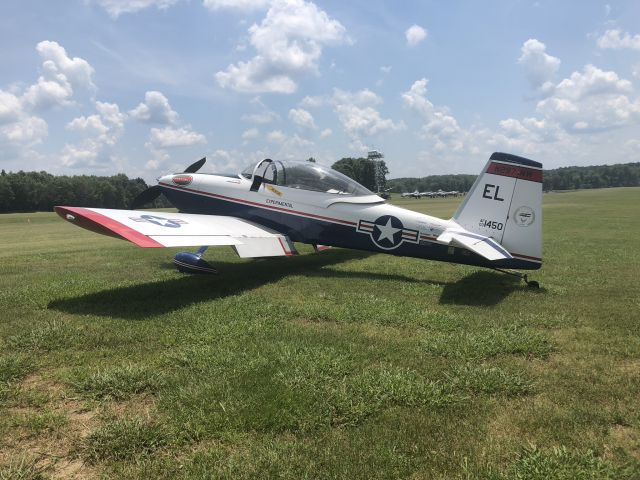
505 203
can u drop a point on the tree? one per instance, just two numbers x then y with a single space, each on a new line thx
361 170
6 194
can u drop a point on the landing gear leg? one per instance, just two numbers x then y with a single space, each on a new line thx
521 276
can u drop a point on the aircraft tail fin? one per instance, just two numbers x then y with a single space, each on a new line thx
505 203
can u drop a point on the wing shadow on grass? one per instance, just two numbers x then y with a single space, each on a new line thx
157 298
483 288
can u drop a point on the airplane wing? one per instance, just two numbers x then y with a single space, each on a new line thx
486 247
159 229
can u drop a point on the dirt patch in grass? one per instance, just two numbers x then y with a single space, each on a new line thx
47 438
630 366
626 439
44 439
139 406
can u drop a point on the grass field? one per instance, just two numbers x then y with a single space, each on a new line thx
335 365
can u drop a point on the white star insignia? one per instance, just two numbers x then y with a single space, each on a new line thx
387 231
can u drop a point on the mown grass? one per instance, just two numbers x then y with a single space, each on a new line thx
335 365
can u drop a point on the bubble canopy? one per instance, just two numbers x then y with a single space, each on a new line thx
309 176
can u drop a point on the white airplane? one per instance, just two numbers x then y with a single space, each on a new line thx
414 194
262 211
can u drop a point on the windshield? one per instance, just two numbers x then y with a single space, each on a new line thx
310 176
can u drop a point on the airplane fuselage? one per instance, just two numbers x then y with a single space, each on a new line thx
322 218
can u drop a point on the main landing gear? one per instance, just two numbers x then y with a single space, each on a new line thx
187 262
521 276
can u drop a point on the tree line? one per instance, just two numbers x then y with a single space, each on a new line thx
565 178
41 191
432 183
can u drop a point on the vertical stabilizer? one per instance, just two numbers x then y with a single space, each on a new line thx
505 203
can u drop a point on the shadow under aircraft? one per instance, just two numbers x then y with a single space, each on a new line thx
136 302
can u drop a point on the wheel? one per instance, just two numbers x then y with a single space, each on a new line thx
533 284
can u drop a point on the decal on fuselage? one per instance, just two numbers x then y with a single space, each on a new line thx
182 180
524 216
163 222
387 232
273 189
279 203
492 192
492 224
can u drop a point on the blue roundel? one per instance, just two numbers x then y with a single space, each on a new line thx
387 232
163 222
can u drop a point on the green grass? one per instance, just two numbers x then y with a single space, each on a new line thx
343 364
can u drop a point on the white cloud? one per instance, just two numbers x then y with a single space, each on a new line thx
385 69
261 117
363 121
103 128
101 131
361 97
25 132
326 133
110 112
230 160
590 100
440 127
287 147
416 99
60 76
250 134
312 101
540 67
56 62
288 43
617 40
415 34
115 8
169 137
46 94
276 136
243 5
10 107
591 81
155 109
79 156
301 117
91 125
358 117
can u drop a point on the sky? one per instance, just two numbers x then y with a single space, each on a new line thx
147 87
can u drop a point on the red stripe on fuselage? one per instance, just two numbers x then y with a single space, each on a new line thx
526 257
515 171
259 205
96 222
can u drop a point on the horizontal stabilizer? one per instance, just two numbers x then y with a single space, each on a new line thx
486 247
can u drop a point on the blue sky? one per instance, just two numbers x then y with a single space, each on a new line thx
149 86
